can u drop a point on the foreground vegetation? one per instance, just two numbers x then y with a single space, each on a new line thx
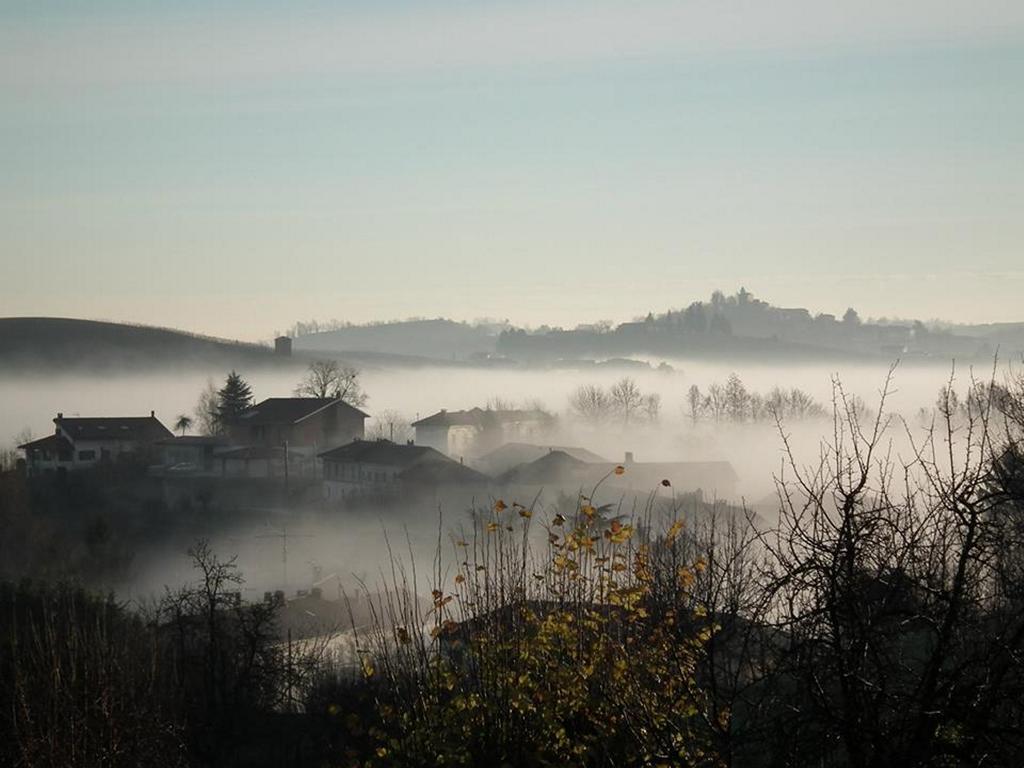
879 621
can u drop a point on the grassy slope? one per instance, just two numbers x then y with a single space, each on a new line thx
49 342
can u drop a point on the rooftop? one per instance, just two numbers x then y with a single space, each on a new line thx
479 417
289 410
549 468
382 452
512 454
135 428
56 443
442 473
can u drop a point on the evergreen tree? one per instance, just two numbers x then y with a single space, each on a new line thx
233 398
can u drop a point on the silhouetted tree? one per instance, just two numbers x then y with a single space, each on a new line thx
207 410
695 318
590 403
626 399
737 399
233 398
183 423
695 402
652 407
899 601
390 425
326 378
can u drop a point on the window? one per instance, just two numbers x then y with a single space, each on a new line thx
87 455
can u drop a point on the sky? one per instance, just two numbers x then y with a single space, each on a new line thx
232 167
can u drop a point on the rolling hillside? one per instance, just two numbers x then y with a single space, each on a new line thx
61 344
439 339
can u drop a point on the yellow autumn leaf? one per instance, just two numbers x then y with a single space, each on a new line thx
367 664
674 531
686 577
623 534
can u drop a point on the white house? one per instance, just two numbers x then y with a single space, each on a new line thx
477 431
81 442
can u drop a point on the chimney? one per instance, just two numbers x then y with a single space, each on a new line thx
60 415
152 414
629 457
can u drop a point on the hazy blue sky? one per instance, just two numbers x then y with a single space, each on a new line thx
233 167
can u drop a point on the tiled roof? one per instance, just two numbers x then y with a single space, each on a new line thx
478 417
56 443
382 452
512 454
288 410
549 468
134 428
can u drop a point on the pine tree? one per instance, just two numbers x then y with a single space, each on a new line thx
233 398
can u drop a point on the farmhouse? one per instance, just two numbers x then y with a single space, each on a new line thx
82 442
305 425
477 431
383 467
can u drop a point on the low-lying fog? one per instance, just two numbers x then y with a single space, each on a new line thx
754 450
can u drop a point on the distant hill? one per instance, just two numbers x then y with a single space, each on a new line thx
60 344
440 339
1008 337
744 327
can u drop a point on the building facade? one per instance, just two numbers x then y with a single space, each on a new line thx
83 442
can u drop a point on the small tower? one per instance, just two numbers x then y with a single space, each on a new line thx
283 346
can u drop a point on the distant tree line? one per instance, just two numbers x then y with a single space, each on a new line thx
623 402
733 402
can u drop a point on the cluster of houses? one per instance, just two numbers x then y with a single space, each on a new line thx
322 441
